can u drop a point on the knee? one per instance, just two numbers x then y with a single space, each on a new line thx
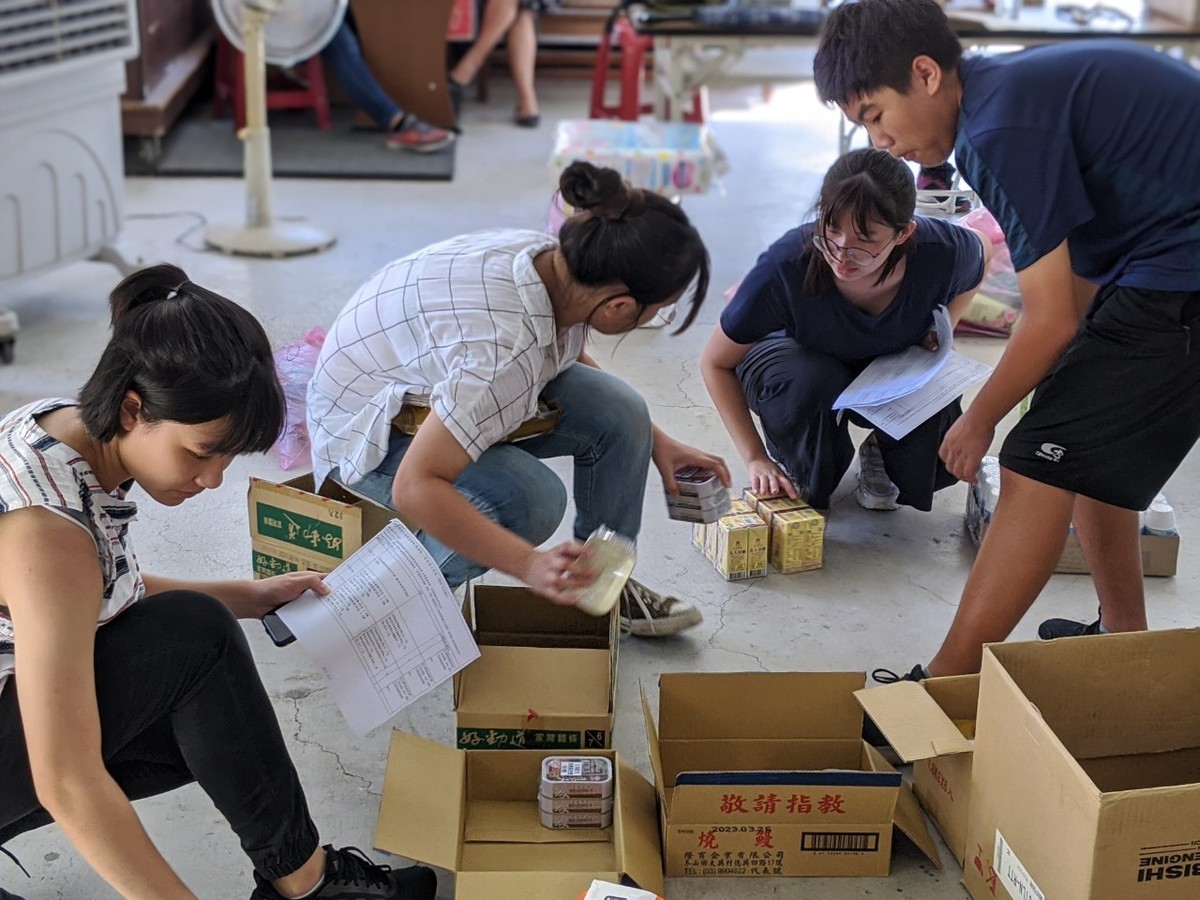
623 413
532 504
193 621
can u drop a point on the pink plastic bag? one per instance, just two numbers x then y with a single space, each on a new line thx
996 306
295 364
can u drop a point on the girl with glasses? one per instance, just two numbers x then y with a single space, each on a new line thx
860 280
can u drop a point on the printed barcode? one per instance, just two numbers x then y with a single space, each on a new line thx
840 842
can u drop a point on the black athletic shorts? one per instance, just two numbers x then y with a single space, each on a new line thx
1120 409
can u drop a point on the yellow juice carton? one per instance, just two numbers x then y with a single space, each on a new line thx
797 539
735 536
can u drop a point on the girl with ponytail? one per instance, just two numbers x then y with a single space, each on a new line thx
129 684
478 329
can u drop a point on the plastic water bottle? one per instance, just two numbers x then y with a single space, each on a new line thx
1160 519
613 558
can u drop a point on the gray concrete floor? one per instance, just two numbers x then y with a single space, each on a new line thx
884 598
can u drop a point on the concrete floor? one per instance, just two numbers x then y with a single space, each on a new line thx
884 598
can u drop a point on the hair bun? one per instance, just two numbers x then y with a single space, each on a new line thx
145 286
599 190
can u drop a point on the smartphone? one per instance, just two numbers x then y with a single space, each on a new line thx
277 631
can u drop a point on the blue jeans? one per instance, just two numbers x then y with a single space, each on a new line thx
605 427
344 55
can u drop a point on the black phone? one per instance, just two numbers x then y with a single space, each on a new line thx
277 631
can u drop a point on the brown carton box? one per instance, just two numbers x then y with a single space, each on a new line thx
294 528
931 724
748 790
1160 553
1086 782
476 813
546 677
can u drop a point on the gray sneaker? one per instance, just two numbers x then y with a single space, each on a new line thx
875 490
646 613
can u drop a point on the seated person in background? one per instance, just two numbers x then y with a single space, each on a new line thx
860 281
404 130
479 327
516 20
128 684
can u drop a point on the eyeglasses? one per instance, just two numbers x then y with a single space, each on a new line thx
856 255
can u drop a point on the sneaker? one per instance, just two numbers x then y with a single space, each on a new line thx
418 136
1052 629
941 178
5 895
875 490
350 875
645 613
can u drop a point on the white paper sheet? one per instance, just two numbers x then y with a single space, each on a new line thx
896 375
899 417
389 630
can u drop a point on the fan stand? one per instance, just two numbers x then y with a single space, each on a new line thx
261 235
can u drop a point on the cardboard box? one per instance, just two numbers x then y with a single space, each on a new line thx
1086 783
476 813
931 724
766 774
294 528
1160 553
546 677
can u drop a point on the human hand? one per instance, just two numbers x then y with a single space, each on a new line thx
768 480
930 341
670 456
267 594
964 446
558 574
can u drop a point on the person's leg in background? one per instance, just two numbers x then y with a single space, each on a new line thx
498 18
792 391
180 700
507 484
522 62
605 427
912 464
404 130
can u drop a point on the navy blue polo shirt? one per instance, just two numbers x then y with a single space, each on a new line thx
1094 142
945 261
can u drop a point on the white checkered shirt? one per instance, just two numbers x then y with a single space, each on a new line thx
465 326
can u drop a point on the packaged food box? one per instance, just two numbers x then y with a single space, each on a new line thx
575 804
576 819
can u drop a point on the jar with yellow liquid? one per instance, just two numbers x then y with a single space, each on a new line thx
612 557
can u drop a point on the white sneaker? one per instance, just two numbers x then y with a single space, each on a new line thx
646 613
875 490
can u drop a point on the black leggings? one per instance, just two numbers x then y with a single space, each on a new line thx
180 700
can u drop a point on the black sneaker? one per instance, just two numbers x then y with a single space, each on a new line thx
647 613
5 895
1061 628
870 731
350 875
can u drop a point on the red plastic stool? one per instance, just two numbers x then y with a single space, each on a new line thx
629 106
230 85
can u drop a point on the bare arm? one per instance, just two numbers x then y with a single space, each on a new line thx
54 600
1050 298
246 599
959 304
718 363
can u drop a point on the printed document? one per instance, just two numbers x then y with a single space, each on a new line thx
388 631
899 417
896 375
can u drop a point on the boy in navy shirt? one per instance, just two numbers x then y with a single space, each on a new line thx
1087 153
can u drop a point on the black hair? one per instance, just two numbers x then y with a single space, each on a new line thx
192 356
869 186
870 44
625 235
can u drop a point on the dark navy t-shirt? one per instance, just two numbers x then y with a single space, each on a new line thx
946 261
1095 142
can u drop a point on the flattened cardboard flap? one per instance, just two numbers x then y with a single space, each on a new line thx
636 829
424 801
759 705
655 751
912 721
910 820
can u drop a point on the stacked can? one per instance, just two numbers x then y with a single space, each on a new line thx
576 792
701 498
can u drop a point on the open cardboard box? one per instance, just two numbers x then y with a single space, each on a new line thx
294 527
767 774
1086 780
546 677
476 813
925 723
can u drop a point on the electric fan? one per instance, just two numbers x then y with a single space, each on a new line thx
280 32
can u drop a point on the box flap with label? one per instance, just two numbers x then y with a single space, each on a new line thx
912 721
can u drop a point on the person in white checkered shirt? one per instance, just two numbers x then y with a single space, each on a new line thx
479 328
